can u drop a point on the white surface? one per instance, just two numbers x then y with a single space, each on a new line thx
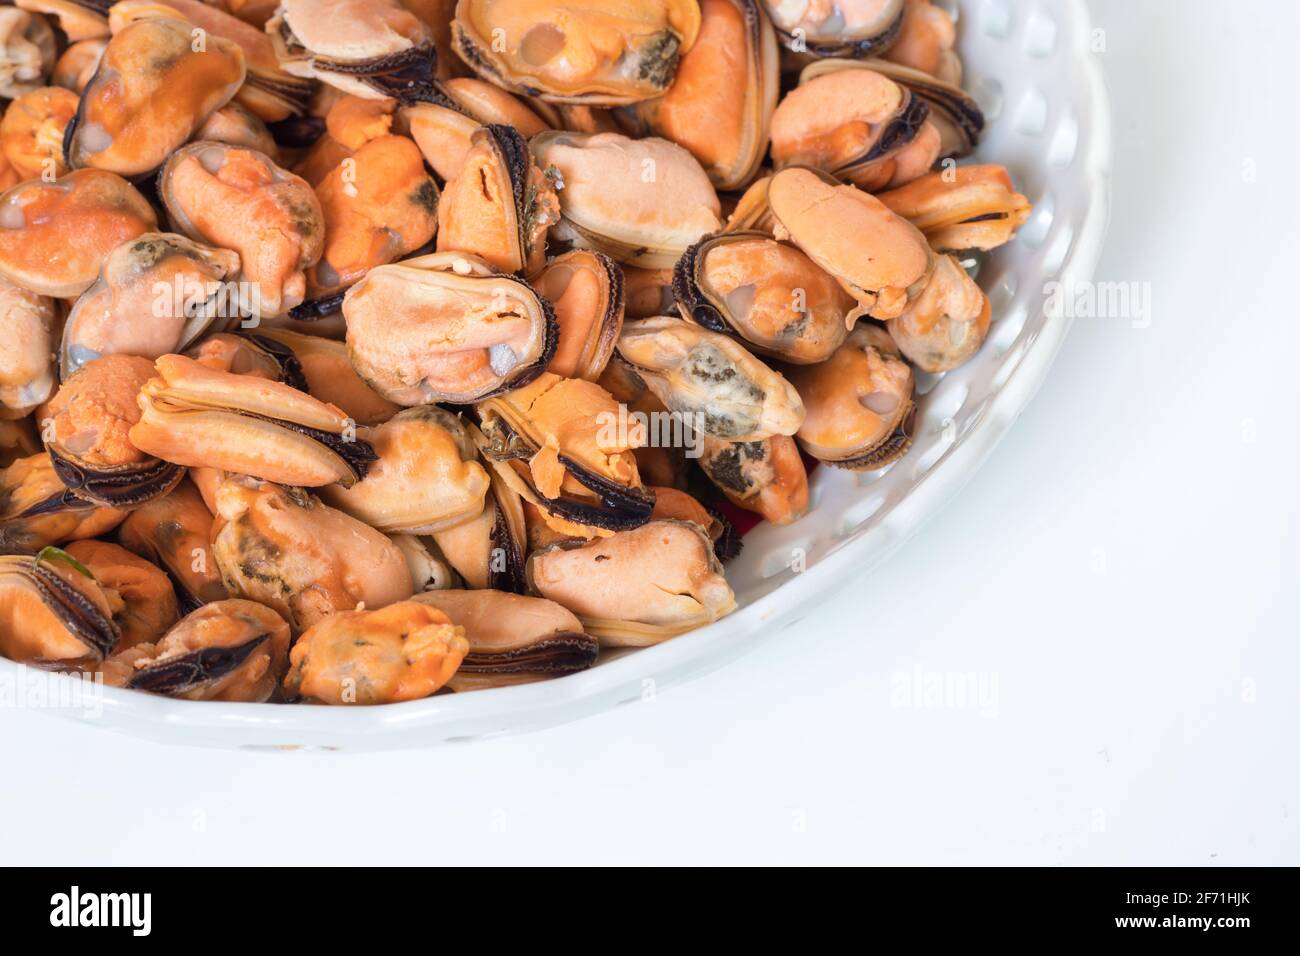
1123 567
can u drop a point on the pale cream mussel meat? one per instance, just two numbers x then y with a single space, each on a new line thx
87 427
711 380
513 638
174 532
232 650
430 569
37 509
765 476
151 91
52 609
77 19
566 449
426 476
55 236
879 258
268 91
443 127
720 104
238 199
954 112
642 202
765 292
369 48
590 52
285 548
969 207
586 290
500 205
446 328
637 587
27 52
858 125
860 405
27 374
837 28
203 417
155 295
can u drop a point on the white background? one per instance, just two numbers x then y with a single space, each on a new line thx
1125 568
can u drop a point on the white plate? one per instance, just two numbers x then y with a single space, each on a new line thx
1028 64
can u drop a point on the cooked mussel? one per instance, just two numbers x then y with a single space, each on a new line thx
637 587
151 91
76 65
403 652
369 48
27 51
592 52
765 476
564 446
968 207
26 352
640 201
946 323
513 638
143 600
53 609
859 402
446 328
926 40
199 416
55 236
38 510
720 104
586 289
87 425
155 294
228 650
837 28
430 569
711 380
174 532
858 125
327 374
234 125
77 19
283 547
499 206
31 133
238 199
767 293
426 476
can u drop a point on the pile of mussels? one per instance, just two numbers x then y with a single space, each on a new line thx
333 329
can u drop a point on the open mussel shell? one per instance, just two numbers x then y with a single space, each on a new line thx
83 217
499 206
174 532
86 428
842 28
954 111
767 477
404 651
710 379
586 290
155 294
766 292
27 51
151 91
201 417
549 51
228 650
642 202
513 638
859 402
52 609
447 328
27 357
720 104
426 475
561 449
636 587
38 510
369 48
